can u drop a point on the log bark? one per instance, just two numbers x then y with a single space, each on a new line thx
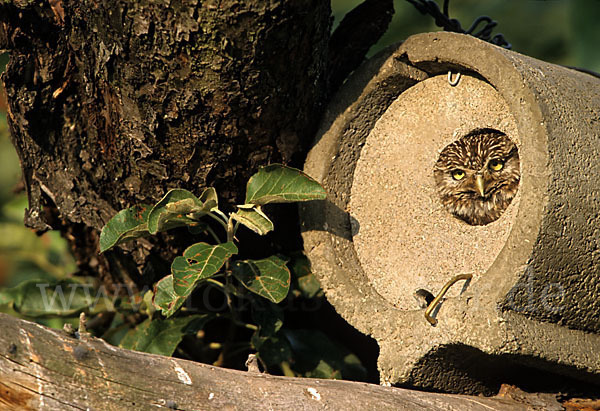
45 369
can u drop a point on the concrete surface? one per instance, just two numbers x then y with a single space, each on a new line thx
395 199
536 296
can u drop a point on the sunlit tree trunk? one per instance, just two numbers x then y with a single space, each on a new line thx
111 103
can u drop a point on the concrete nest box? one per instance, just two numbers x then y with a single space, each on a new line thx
387 240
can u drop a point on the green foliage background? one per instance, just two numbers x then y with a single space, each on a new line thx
559 31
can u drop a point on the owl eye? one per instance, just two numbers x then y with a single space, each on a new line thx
496 165
458 175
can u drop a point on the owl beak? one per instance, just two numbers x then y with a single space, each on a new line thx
479 184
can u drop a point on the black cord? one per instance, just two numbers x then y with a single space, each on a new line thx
443 20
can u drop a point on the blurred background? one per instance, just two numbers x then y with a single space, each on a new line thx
559 31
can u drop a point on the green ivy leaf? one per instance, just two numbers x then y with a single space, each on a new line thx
268 316
180 207
305 281
277 183
316 356
268 277
275 350
165 298
162 336
64 298
199 261
197 227
254 219
126 225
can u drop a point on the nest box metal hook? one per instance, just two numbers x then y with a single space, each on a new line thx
443 291
454 82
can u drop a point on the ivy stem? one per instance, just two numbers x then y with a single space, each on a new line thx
228 285
220 214
226 289
230 229
228 268
216 283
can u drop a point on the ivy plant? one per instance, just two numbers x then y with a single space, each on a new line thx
215 262
268 277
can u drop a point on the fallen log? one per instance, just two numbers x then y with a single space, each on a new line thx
43 368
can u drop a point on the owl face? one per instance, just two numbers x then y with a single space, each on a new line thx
478 175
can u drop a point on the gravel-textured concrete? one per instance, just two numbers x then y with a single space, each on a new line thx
535 298
395 201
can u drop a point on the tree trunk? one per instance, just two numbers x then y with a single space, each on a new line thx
111 103
41 368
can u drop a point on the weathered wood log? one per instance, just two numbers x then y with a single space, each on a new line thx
46 369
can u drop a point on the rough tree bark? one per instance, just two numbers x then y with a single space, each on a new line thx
111 103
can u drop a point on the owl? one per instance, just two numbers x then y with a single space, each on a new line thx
478 175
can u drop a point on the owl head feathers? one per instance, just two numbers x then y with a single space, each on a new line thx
478 175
